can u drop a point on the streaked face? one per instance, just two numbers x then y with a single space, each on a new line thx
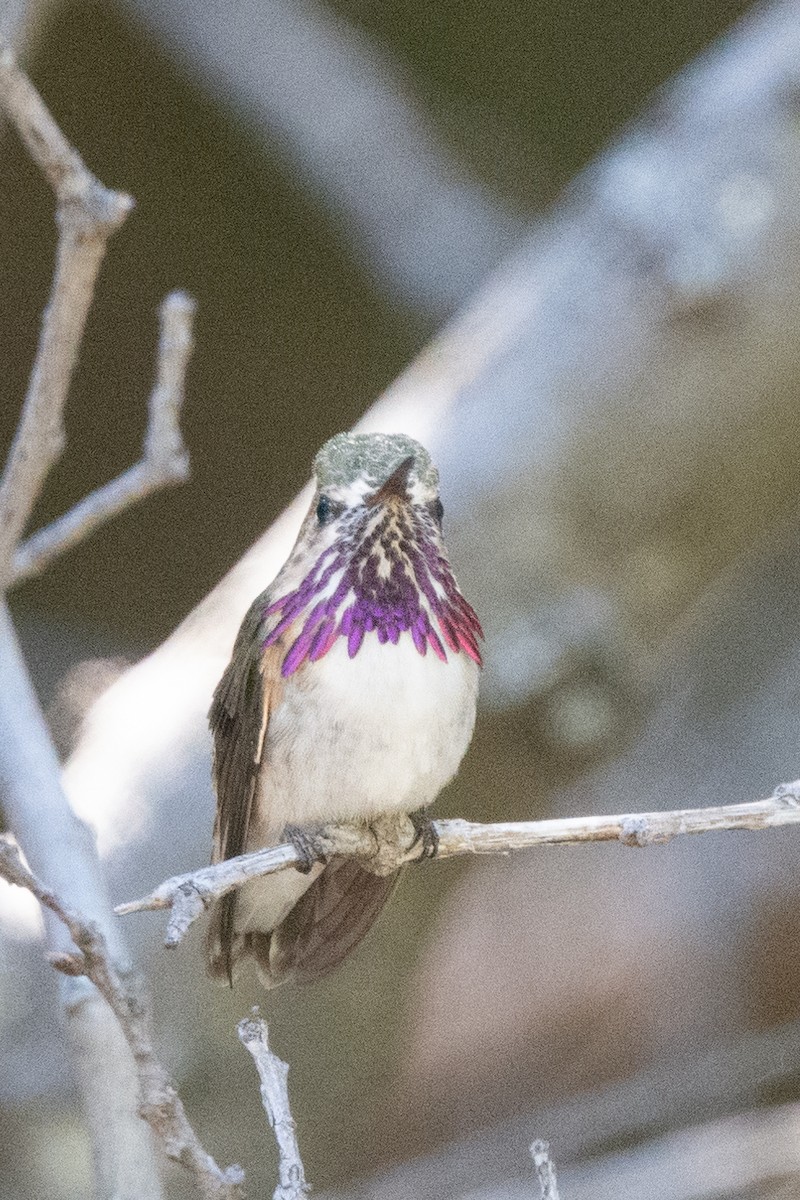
373 558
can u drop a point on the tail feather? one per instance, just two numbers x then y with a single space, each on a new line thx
328 921
223 947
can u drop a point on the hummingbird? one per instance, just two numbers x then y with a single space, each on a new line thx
350 698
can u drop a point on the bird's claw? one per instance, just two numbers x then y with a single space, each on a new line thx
308 845
426 834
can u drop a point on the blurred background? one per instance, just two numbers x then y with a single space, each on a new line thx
615 257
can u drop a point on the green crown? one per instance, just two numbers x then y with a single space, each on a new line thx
372 457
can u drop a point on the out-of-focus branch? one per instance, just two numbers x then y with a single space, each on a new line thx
725 1078
545 1171
88 214
740 1155
188 895
161 1105
165 459
21 23
14 21
736 1156
273 1073
347 122
59 846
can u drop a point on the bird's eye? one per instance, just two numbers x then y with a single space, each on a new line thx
325 510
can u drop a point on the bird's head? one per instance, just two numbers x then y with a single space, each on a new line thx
354 469
370 557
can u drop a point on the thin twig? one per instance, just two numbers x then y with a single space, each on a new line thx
545 1171
188 895
161 1105
273 1073
87 215
165 459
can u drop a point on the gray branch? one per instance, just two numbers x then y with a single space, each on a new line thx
545 1171
346 121
165 459
273 1073
740 1155
88 214
161 1105
59 846
188 895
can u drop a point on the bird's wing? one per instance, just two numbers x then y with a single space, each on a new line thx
239 716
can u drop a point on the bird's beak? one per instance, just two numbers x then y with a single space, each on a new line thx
395 487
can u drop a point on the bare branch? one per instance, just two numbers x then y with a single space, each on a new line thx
345 119
165 459
273 1073
161 1106
87 215
60 847
742 1155
545 1171
188 895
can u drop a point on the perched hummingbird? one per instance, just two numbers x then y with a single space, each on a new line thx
350 696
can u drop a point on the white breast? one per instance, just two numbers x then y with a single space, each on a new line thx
353 738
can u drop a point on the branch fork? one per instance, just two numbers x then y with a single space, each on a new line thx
164 461
160 1104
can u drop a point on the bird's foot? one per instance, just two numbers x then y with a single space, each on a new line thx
426 834
392 834
384 845
310 844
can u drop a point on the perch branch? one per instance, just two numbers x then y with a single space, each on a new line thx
160 1106
164 460
545 1171
188 895
273 1073
87 215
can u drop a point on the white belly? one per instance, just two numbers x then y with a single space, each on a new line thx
352 739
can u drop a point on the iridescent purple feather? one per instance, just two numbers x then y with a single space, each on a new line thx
366 602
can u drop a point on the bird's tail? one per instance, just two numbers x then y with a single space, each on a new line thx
320 929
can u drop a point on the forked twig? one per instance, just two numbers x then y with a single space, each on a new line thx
87 215
161 1105
164 461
